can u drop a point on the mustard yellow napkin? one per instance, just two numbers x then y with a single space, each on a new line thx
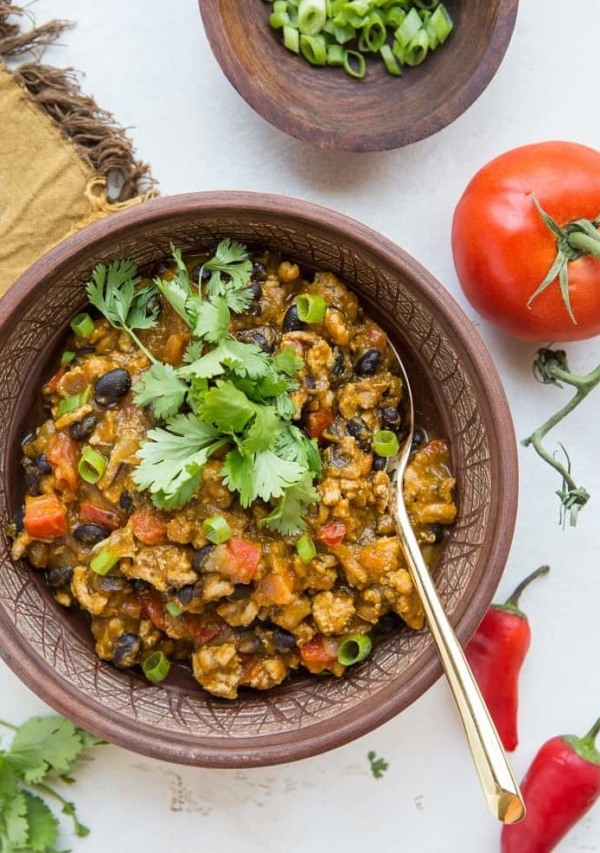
63 160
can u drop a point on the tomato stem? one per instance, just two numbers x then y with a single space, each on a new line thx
550 366
574 240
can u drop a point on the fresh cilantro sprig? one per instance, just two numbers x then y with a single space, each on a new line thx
42 751
227 393
114 292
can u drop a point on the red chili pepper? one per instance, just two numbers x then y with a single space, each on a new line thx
496 654
561 785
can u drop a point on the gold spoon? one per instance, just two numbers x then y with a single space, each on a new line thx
501 790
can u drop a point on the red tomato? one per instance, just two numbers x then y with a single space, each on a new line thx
503 249
148 527
153 607
318 654
319 421
245 556
98 515
63 454
332 533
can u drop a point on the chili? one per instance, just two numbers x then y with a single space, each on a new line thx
561 785
496 654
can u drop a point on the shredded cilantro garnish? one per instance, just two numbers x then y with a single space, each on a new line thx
378 765
227 393
43 750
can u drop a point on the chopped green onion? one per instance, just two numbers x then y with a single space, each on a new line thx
374 34
173 609
408 29
354 649
385 443
390 61
335 54
416 50
156 667
91 465
291 38
441 23
278 20
104 561
67 357
305 548
311 307
216 529
354 64
312 15
68 404
83 325
314 49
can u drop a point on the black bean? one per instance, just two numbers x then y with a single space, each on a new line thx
419 438
359 429
283 640
42 464
112 386
256 288
186 594
200 556
159 269
261 336
368 362
390 417
379 463
126 651
125 501
59 576
291 321
90 533
82 429
240 591
438 531
18 519
154 305
111 583
258 271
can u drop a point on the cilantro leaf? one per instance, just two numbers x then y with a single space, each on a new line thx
226 407
14 821
113 292
43 745
230 265
273 475
243 359
212 320
42 824
261 432
286 517
172 459
288 361
161 387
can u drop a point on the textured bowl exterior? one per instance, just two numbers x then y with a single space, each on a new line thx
325 107
51 651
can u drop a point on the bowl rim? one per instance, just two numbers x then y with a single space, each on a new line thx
36 672
256 93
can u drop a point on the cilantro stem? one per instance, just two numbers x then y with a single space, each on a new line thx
68 808
551 367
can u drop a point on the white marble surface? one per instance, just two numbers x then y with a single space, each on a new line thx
150 64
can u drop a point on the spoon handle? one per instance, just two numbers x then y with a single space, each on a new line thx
501 790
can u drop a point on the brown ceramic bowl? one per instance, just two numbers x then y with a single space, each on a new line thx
456 386
327 108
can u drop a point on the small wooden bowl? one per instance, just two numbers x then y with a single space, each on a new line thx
327 108
456 385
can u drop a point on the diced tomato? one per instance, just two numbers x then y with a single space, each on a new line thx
198 630
153 607
45 517
319 421
99 515
63 454
148 527
319 653
331 533
245 556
